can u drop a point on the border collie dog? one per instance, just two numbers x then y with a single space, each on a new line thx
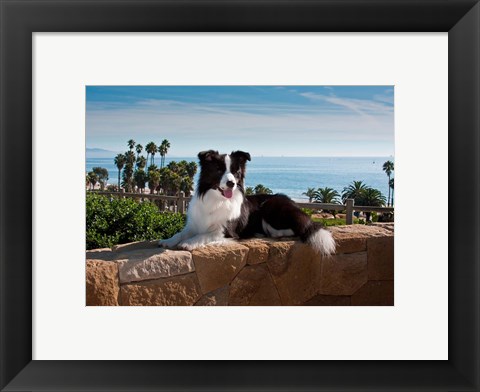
220 211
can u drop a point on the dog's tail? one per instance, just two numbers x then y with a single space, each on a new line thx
280 209
320 239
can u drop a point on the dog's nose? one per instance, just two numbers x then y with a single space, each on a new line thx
230 184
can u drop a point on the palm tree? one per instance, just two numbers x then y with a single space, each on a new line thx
163 150
261 189
153 178
249 191
141 162
354 191
175 183
147 149
170 181
151 149
191 169
372 198
326 195
128 181
131 144
130 157
310 193
186 185
391 183
140 178
120 161
138 149
388 169
174 166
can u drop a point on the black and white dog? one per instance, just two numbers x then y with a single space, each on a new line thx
219 210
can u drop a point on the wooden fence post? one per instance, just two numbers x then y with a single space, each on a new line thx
349 203
181 203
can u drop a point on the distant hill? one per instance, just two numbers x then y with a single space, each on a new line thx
99 153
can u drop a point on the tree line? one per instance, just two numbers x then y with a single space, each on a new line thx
361 193
357 190
135 176
178 176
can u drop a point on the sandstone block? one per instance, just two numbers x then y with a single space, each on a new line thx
216 266
353 238
148 263
343 274
380 258
390 226
296 272
218 297
254 286
101 283
350 245
360 231
280 248
375 293
278 256
257 251
182 290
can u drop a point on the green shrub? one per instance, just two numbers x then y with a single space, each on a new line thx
112 221
308 211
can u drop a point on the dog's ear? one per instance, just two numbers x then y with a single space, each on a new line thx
207 155
241 156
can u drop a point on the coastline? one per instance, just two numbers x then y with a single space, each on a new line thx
293 175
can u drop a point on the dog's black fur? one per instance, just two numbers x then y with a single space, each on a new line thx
221 210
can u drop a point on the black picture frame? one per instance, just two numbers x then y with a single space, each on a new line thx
19 19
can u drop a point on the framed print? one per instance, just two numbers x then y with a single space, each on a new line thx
334 265
28 158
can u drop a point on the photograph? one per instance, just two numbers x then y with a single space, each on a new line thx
240 195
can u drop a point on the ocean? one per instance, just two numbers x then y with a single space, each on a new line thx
293 175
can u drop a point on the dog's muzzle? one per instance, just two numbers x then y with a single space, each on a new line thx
227 192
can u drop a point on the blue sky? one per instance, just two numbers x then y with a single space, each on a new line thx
263 120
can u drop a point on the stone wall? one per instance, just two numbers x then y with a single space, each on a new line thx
253 272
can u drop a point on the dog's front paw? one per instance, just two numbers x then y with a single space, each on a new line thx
188 245
168 243
196 243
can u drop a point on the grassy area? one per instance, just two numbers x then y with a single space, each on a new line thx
336 221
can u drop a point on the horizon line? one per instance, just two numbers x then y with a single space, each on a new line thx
286 156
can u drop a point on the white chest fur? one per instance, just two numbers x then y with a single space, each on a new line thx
212 211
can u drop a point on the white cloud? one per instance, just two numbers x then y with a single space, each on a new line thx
263 129
364 107
387 98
